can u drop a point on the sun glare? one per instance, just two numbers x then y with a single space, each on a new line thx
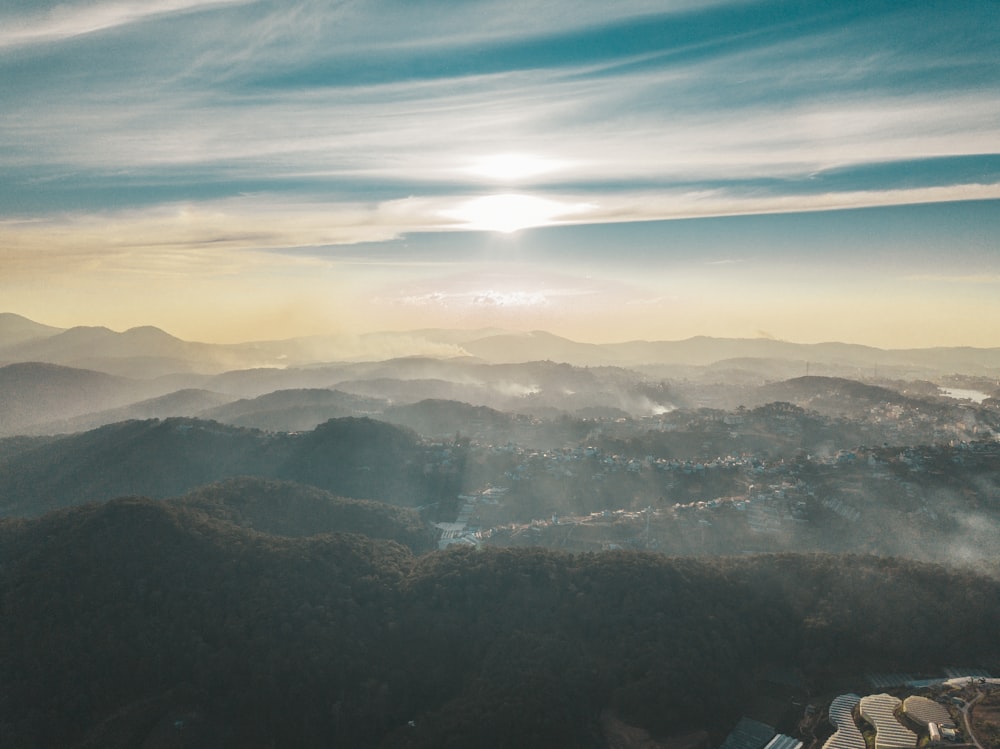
509 212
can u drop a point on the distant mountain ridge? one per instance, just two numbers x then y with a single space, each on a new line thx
184 402
292 410
33 392
17 329
147 351
58 381
142 352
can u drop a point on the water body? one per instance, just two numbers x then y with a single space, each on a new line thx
976 396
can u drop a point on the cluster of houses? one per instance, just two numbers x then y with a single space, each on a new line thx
773 495
460 532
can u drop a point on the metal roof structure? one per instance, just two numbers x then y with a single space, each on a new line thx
748 734
781 741
923 711
847 735
879 710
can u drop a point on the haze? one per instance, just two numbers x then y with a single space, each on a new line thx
472 373
234 170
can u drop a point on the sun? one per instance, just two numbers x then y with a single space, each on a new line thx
509 212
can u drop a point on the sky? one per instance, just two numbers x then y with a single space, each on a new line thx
236 170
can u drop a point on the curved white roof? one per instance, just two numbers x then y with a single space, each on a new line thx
847 735
878 709
781 741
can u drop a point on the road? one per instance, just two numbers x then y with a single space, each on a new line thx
968 720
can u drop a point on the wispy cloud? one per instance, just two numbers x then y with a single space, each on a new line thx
486 297
219 235
766 111
68 20
178 136
266 222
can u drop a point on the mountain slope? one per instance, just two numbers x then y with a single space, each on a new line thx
539 345
351 457
83 341
152 458
34 393
363 458
188 402
147 352
283 508
837 395
15 329
295 410
438 418
160 608
142 352
174 619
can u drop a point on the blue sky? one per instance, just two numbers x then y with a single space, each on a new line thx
251 169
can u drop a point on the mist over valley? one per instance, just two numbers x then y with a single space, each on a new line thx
480 374
545 476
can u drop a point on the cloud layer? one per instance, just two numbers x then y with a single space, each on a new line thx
179 136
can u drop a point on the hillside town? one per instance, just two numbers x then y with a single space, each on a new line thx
611 493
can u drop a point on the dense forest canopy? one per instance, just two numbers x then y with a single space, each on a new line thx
122 614
256 558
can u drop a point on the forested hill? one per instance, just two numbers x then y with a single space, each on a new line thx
135 622
353 457
284 508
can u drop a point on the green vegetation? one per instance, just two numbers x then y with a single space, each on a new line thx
986 718
351 457
867 730
138 616
283 508
259 589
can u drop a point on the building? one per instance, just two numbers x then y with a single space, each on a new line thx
879 710
748 734
847 735
781 741
923 712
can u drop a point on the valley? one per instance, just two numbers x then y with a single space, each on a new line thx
424 552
